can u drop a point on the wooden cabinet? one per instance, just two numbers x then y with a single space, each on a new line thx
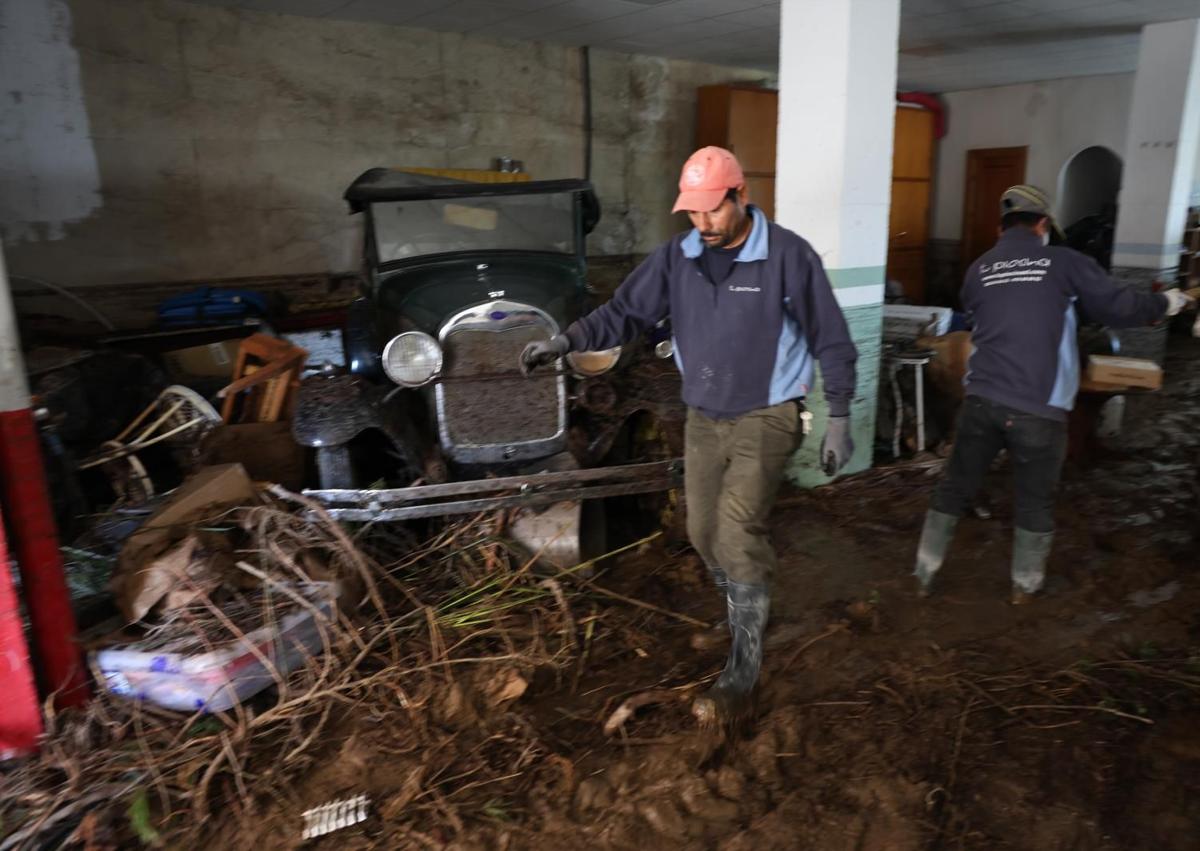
742 120
912 190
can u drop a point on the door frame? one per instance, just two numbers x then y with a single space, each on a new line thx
970 187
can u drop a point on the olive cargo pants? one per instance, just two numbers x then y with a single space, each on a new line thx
732 472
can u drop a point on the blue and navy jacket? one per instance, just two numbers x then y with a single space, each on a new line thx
1022 297
744 344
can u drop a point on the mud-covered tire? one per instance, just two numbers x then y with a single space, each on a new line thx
334 469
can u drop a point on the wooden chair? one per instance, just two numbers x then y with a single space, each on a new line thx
264 379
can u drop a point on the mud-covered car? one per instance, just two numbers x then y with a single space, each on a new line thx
458 277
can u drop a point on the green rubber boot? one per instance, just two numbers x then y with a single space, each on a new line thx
1030 551
931 552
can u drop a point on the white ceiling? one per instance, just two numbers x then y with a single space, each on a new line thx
944 44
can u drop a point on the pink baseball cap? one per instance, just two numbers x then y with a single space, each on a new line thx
706 177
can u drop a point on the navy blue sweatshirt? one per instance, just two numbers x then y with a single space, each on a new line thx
746 343
1021 297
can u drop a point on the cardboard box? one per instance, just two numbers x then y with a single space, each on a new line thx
208 493
946 371
267 451
1124 372
212 360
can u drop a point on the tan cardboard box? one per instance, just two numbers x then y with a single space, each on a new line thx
212 360
1124 372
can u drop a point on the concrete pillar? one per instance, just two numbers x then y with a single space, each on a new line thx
1160 158
29 523
837 101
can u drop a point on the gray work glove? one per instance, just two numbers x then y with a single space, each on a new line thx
544 353
1177 300
836 446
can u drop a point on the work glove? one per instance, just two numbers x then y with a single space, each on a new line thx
544 353
1177 300
836 446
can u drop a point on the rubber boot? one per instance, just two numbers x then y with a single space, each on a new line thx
1030 551
731 695
931 552
716 635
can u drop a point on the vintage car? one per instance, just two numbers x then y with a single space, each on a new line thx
432 407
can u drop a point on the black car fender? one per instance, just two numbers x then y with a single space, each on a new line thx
332 410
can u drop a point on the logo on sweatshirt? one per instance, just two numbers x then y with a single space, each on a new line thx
1024 270
734 289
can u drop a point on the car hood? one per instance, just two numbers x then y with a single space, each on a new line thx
422 295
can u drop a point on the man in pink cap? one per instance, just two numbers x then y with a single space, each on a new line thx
750 308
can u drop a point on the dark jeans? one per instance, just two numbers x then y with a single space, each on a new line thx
1036 447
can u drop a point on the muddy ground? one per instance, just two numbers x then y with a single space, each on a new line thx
884 723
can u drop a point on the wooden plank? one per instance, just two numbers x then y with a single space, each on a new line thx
762 193
912 152
753 116
908 218
712 116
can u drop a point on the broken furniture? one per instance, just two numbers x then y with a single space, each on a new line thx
913 336
179 416
266 376
917 359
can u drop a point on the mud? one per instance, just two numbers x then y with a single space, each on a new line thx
884 722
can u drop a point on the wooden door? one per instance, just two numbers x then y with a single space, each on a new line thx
908 218
989 172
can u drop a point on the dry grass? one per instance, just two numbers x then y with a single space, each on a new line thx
426 633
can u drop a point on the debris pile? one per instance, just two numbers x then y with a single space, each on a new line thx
428 642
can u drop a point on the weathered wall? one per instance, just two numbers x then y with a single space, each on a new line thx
157 140
1056 119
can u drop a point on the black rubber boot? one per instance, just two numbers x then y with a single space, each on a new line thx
931 552
731 695
716 635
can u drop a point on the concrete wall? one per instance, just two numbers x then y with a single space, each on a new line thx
1056 119
157 140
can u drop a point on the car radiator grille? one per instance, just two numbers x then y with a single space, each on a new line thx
496 411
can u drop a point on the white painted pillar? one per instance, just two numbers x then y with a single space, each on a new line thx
29 524
1160 147
1160 159
837 101
14 388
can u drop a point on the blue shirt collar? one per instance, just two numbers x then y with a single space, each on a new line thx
754 248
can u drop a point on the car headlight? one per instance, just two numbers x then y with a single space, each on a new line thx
591 364
412 359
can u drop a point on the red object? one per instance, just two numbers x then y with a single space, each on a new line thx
931 102
31 526
20 714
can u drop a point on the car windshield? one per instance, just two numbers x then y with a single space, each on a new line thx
536 222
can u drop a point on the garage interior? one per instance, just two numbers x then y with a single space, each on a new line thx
456 641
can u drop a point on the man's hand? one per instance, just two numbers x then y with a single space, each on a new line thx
1177 300
836 446
544 353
